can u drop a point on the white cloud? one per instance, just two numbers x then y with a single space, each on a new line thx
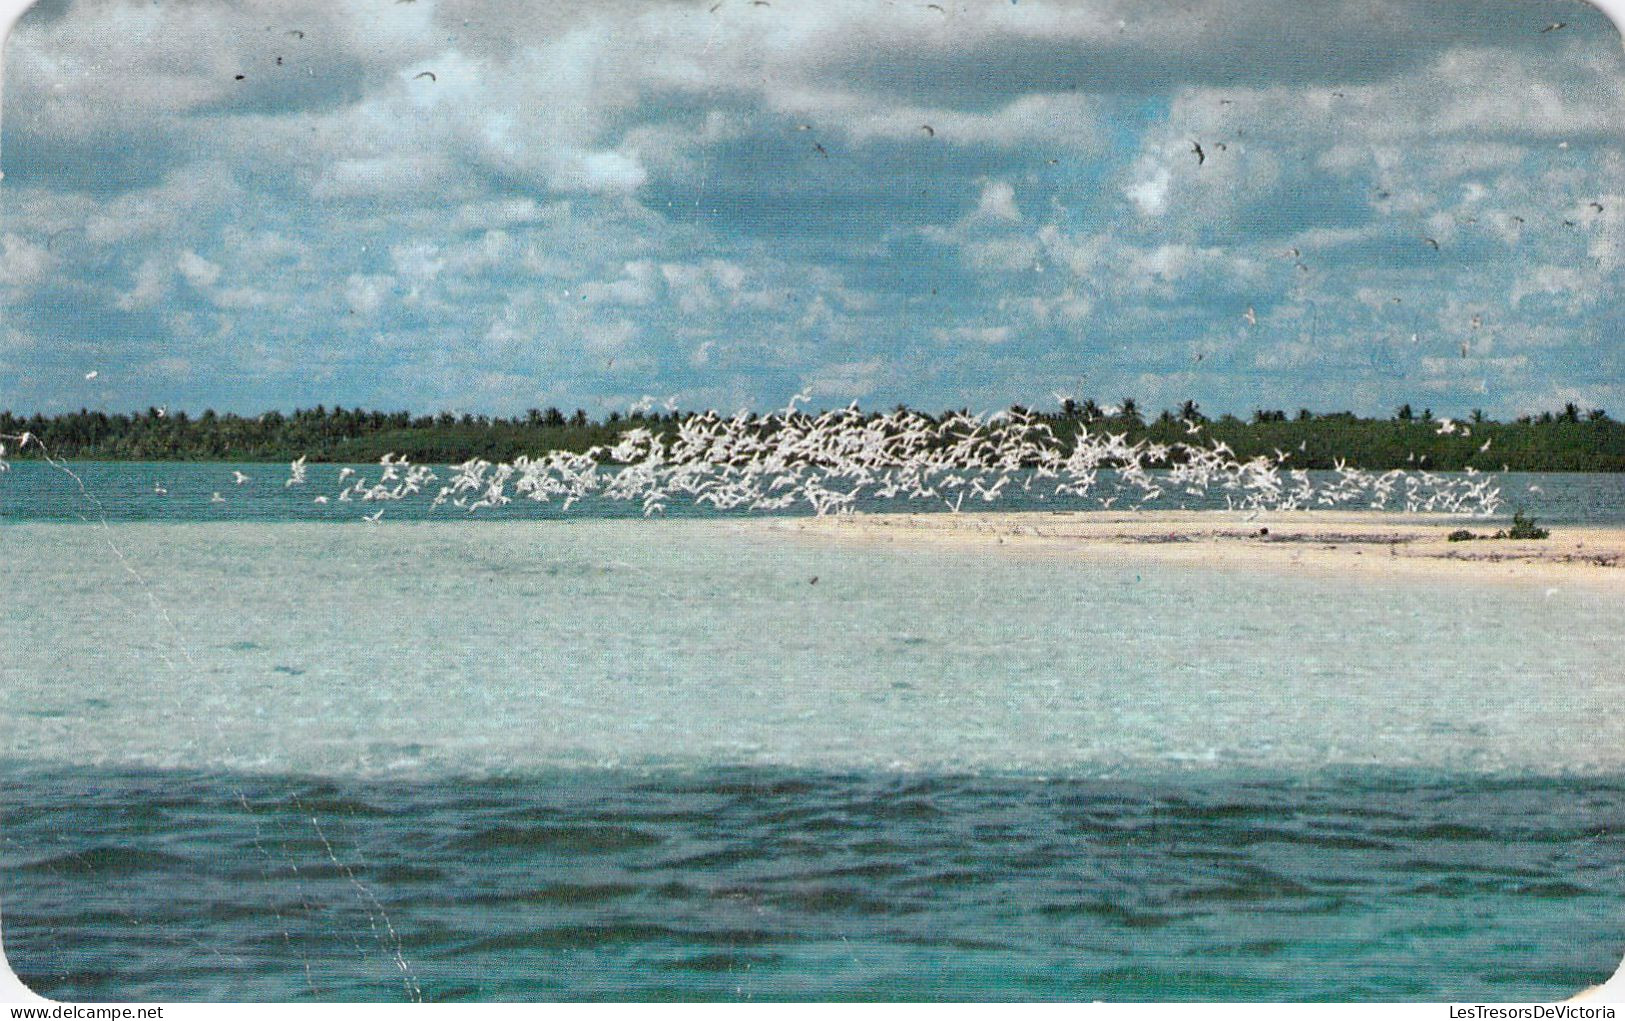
196 270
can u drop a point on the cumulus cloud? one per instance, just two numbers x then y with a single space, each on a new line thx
642 195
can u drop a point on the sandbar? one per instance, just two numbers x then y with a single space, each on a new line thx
1372 543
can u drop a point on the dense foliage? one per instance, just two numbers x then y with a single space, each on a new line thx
1569 440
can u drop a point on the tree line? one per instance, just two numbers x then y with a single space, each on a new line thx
1565 440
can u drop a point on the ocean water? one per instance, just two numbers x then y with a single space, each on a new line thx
183 492
596 758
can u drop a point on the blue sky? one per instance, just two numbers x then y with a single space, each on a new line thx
590 201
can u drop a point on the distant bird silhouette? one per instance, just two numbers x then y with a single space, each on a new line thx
1597 206
813 580
929 130
1201 157
425 74
1432 243
819 149
1251 316
1554 26
296 33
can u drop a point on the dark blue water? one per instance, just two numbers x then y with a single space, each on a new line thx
127 491
726 884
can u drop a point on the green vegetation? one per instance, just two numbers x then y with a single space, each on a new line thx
1569 440
1525 528
1522 528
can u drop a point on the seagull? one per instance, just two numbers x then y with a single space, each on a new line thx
217 498
296 33
1431 242
425 74
1251 316
1485 447
92 374
819 149
1554 26
238 477
319 499
1201 157
374 518
1597 206
157 487
929 130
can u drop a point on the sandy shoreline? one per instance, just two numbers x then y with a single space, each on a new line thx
1342 542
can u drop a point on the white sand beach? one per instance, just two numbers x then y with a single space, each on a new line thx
1373 543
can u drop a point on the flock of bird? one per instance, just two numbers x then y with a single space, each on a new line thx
845 459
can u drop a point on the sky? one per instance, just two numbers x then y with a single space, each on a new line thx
482 206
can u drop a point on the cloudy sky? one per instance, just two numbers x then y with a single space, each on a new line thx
483 206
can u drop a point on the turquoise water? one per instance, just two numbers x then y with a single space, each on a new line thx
180 492
600 759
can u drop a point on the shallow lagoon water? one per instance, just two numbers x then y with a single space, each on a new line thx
604 759
487 647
